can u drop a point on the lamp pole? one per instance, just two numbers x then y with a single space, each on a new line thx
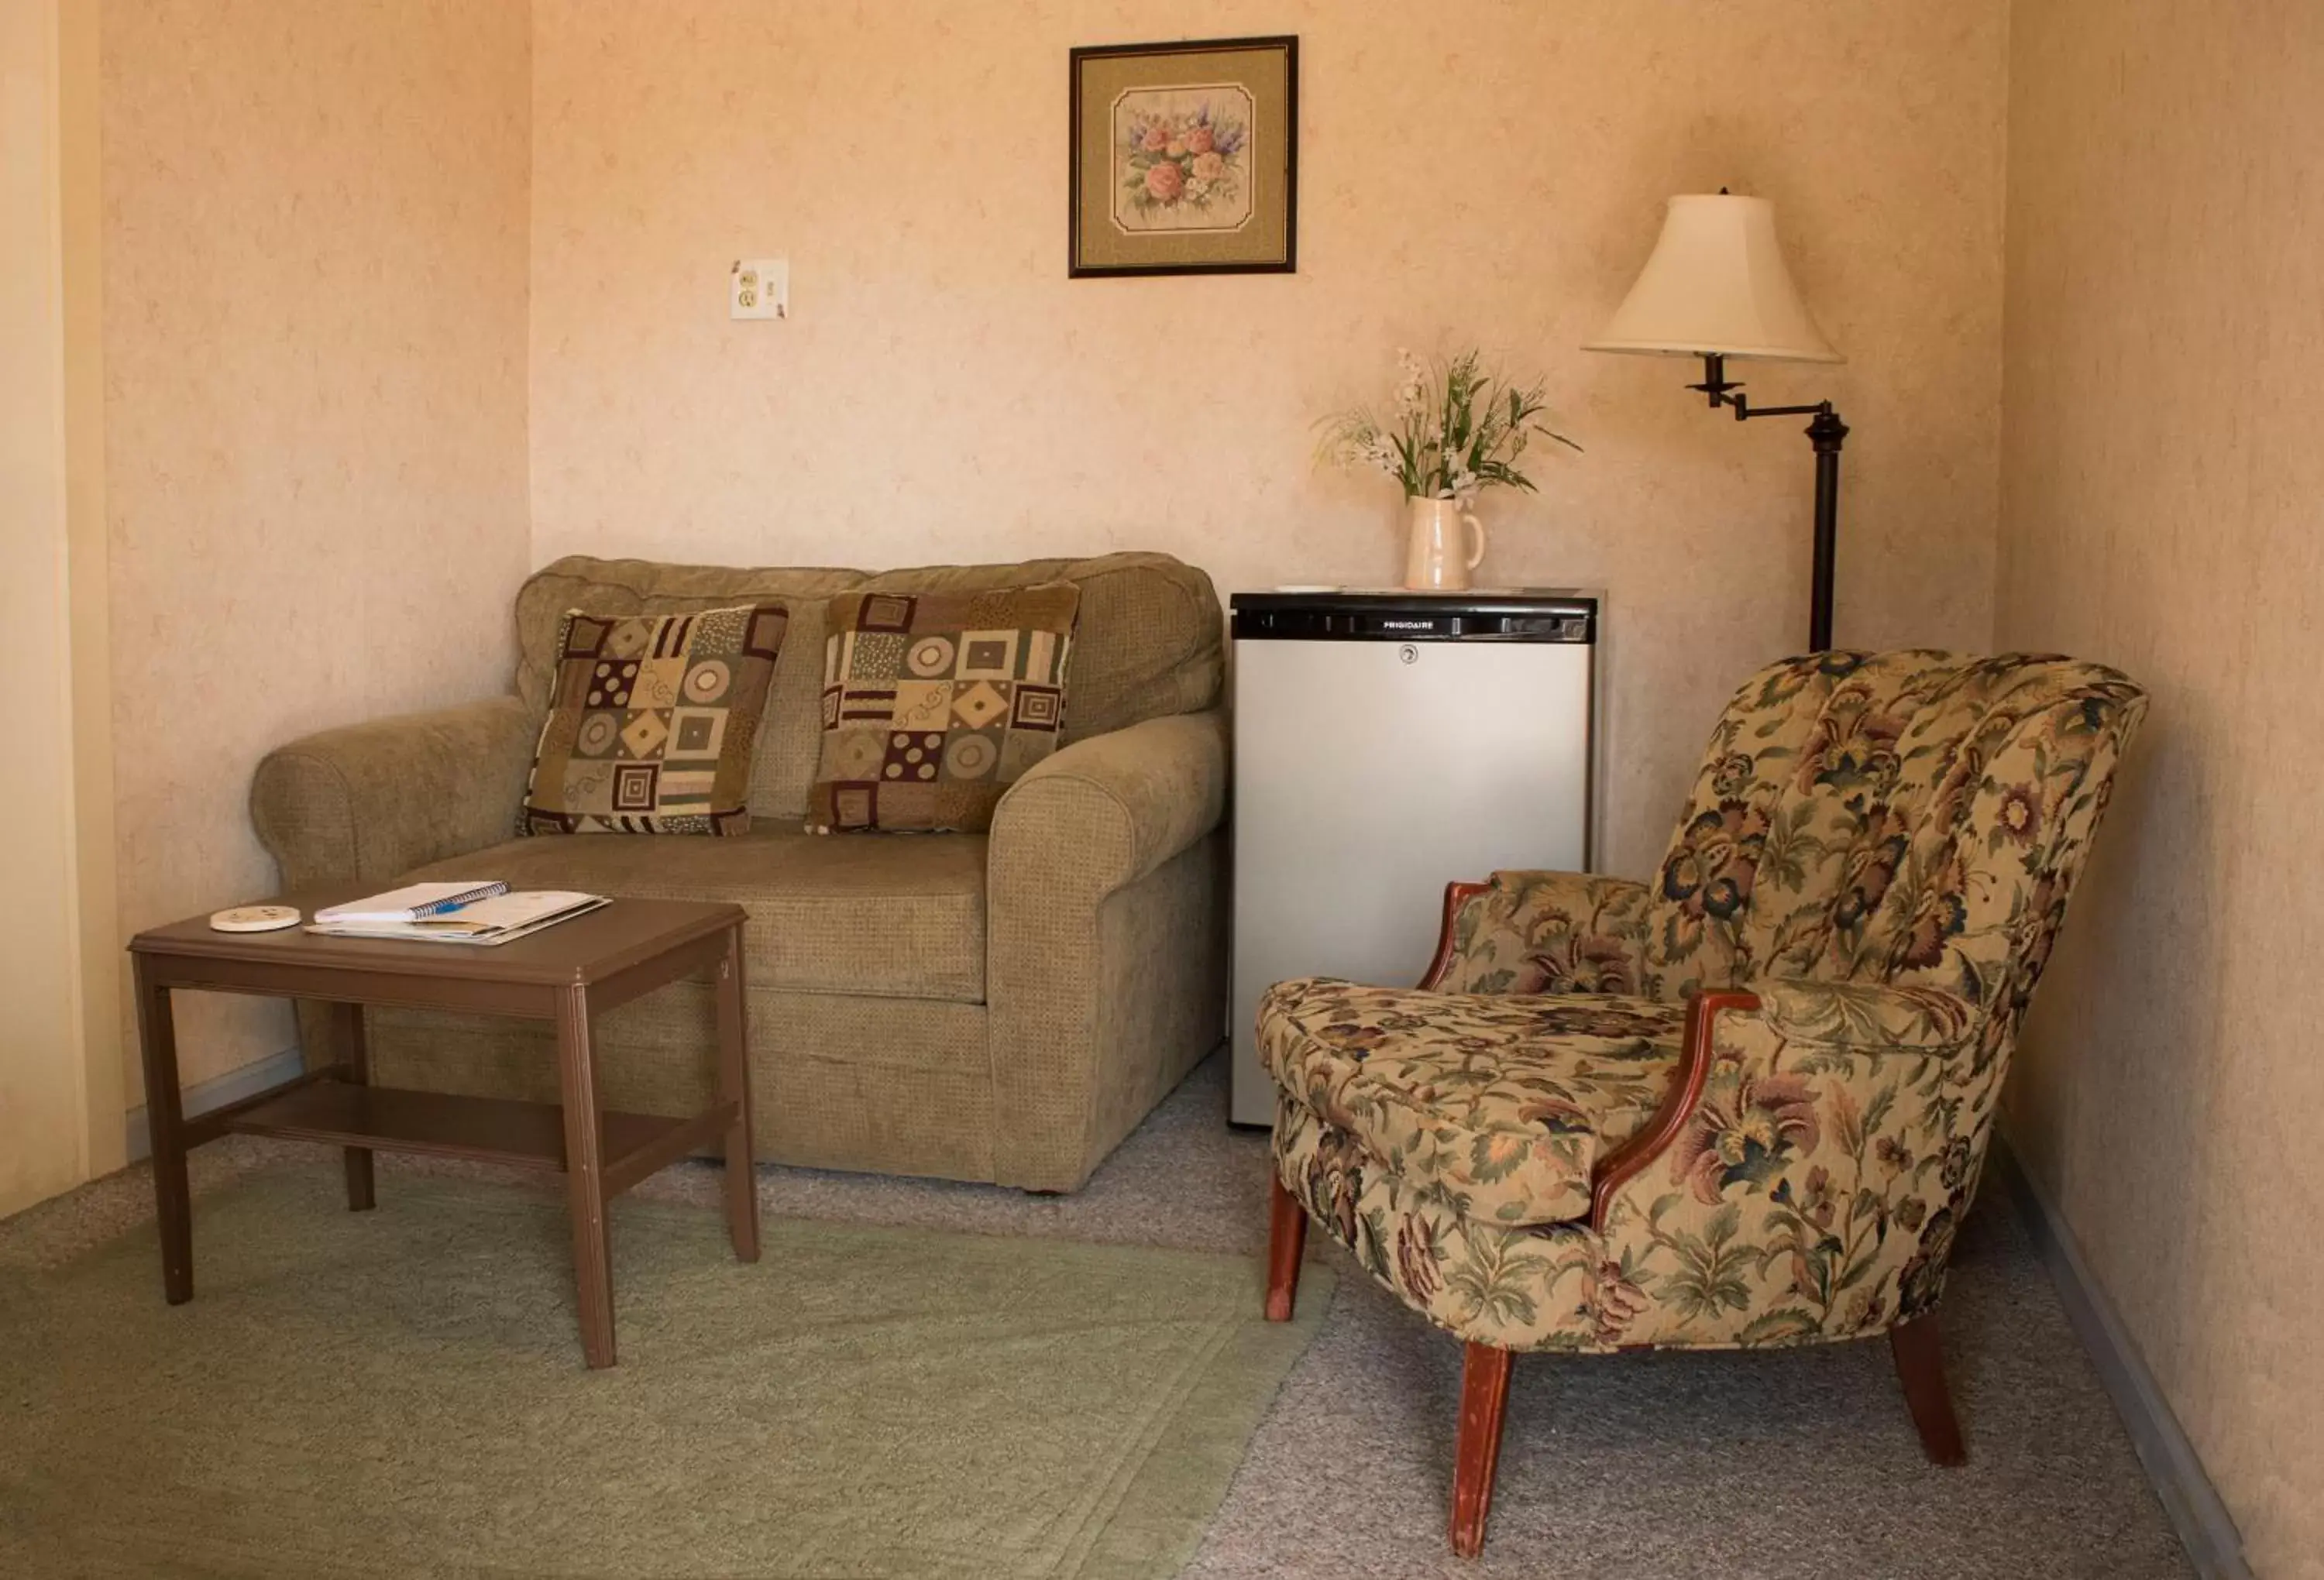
1826 433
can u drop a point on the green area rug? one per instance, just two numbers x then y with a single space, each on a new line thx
401 1392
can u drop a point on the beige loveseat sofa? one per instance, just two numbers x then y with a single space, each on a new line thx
1000 1007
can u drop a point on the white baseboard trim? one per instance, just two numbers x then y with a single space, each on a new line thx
230 1087
2204 1525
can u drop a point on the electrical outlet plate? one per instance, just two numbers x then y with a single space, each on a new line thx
758 288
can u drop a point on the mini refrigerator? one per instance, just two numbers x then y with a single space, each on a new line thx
1386 744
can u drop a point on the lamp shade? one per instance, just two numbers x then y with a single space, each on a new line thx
1716 285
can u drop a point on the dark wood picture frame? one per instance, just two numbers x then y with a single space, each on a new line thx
1076 265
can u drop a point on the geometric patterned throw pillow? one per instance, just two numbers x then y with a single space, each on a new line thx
934 703
652 722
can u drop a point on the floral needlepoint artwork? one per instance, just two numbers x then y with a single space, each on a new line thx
1184 158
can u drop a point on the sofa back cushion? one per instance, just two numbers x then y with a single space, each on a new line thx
1149 641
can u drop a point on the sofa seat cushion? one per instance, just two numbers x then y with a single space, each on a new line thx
899 916
1504 1102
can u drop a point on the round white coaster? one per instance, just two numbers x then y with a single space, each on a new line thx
254 919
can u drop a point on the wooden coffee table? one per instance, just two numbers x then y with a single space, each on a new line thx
566 974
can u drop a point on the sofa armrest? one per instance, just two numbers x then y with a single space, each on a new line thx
1804 1178
370 801
1542 933
1116 806
1093 821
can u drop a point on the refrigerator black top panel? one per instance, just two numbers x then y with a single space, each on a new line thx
1395 615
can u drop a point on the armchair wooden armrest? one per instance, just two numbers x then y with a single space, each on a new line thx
1617 1168
1852 1026
1458 893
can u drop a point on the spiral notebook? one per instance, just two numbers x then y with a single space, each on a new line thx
413 902
495 919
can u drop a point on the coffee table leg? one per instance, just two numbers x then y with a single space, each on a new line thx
354 1066
165 1121
734 1088
585 1181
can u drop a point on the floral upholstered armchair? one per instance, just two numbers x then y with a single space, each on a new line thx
1743 1105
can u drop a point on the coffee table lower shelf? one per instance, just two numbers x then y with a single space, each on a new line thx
530 1135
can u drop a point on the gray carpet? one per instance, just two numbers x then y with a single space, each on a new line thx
1800 1464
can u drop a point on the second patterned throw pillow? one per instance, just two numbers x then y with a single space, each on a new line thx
651 728
934 703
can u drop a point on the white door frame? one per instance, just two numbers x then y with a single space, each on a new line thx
60 1045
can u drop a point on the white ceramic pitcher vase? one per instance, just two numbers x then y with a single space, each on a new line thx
1446 544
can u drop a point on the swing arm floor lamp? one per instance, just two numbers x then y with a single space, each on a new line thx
1715 287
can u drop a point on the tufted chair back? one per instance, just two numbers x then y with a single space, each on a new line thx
1912 818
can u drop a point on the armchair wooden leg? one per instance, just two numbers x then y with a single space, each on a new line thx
1484 1399
1921 1368
1287 1238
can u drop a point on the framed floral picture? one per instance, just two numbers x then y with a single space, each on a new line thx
1185 158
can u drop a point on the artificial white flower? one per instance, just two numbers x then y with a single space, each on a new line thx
1413 388
1433 403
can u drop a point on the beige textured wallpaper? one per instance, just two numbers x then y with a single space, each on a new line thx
1485 170
314 279
2161 511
